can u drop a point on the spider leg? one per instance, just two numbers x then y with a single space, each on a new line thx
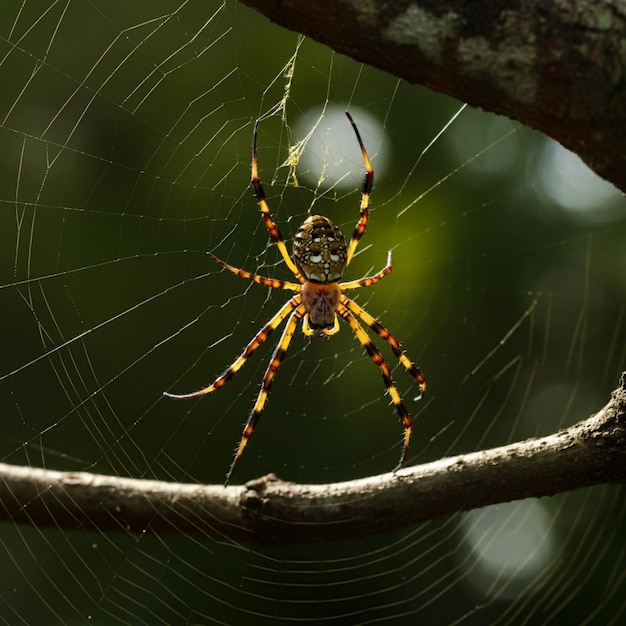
383 333
368 281
377 357
270 224
368 182
274 283
268 378
257 340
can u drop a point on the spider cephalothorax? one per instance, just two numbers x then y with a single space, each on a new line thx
320 257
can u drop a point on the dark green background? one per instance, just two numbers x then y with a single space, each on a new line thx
125 137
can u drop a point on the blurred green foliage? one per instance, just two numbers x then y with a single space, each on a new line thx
126 134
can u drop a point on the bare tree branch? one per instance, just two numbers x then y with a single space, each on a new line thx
558 66
272 511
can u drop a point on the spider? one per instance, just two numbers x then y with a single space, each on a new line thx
320 257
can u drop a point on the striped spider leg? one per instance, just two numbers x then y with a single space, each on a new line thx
320 257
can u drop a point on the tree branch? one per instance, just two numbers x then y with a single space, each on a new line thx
558 66
272 511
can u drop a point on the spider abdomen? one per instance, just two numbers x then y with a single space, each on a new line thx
319 250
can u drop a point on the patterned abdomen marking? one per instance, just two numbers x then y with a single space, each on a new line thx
319 250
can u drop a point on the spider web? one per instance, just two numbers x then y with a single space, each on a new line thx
126 158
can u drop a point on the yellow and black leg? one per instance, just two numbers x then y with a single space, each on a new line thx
270 224
274 283
383 333
368 182
268 378
377 357
258 339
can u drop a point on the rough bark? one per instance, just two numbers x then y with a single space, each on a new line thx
558 66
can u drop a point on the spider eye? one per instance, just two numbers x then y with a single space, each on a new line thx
319 250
